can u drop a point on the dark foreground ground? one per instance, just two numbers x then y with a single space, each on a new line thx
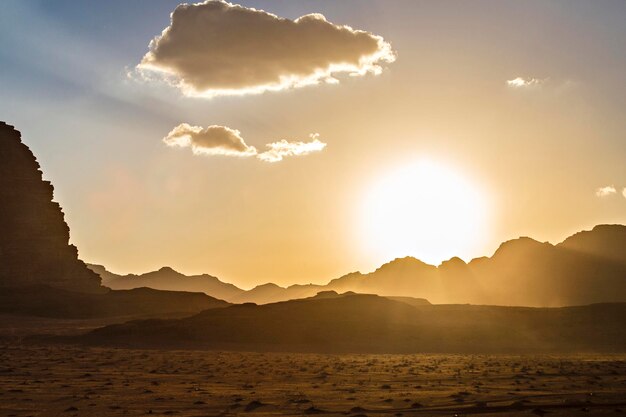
74 381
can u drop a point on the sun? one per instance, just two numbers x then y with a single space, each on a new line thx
425 210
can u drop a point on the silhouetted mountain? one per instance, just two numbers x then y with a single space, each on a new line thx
369 323
521 272
526 272
168 279
54 302
588 267
403 276
34 238
604 241
271 293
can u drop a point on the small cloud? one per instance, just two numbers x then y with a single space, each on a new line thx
222 140
520 82
624 192
214 140
606 191
280 149
218 48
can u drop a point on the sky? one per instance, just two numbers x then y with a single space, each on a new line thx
244 142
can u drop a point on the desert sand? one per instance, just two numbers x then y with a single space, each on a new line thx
38 380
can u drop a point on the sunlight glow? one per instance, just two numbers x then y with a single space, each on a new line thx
425 210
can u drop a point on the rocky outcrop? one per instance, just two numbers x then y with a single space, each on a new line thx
34 238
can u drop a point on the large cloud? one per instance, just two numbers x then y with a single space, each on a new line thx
222 140
217 48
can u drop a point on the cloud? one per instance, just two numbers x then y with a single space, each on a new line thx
605 191
520 82
624 192
218 48
278 150
222 140
214 140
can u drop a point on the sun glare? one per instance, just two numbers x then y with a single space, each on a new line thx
425 210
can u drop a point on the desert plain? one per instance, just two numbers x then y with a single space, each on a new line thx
44 379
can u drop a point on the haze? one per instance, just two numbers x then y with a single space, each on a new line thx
514 108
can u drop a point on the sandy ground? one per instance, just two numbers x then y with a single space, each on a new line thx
75 381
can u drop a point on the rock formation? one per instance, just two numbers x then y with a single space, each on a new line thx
34 238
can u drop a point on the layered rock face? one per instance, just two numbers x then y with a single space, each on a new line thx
34 238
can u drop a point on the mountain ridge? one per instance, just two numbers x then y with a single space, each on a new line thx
521 271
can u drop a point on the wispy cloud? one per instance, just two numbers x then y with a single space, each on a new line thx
218 48
222 140
213 140
606 191
278 150
521 82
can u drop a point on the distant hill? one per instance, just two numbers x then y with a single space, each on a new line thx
55 302
168 279
271 293
416 302
334 294
373 324
588 267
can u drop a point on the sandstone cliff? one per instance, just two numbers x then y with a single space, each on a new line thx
34 238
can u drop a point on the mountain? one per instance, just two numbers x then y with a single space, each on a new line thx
168 279
604 241
403 276
588 267
525 270
271 293
373 324
34 238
